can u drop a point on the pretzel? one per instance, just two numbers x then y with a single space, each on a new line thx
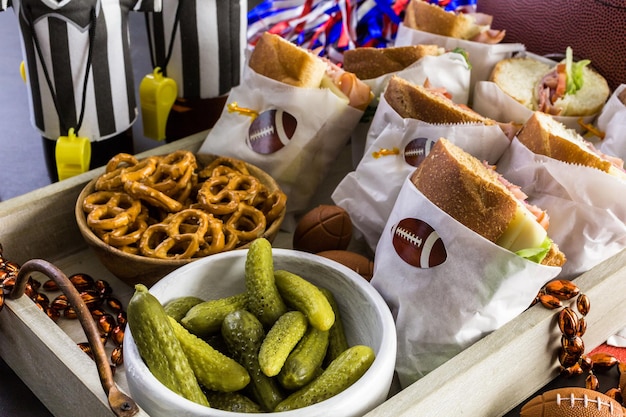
216 197
215 240
110 210
248 188
223 163
177 163
247 223
115 175
273 205
127 235
177 237
151 196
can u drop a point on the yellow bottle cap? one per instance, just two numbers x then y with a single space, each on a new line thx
157 95
73 154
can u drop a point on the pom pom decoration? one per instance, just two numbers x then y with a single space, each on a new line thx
329 27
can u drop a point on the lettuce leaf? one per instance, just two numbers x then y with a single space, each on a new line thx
536 254
574 71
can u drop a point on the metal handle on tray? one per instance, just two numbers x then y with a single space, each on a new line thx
121 404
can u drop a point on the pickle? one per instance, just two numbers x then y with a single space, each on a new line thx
206 318
305 362
340 374
243 334
337 341
158 346
213 370
280 341
235 402
264 301
305 297
178 307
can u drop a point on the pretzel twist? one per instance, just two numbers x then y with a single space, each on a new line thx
274 205
177 237
108 210
215 195
127 235
122 168
152 196
223 163
247 223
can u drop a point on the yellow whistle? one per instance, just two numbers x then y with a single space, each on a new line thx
23 71
157 95
72 154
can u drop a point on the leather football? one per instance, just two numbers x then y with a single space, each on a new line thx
595 29
360 264
325 227
572 402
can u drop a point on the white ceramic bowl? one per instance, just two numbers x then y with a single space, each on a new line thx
366 318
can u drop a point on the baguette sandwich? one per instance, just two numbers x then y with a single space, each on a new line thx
543 135
566 89
428 104
477 196
431 18
277 58
368 63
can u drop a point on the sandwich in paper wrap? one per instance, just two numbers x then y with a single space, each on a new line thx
292 122
426 23
585 203
432 63
396 145
448 285
612 123
570 91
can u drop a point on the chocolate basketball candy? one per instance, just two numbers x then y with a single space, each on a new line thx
418 244
325 227
416 150
271 131
572 401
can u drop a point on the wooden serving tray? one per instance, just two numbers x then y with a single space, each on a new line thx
490 378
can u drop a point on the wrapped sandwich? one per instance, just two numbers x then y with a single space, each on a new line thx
462 253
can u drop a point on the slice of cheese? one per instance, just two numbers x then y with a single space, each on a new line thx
524 232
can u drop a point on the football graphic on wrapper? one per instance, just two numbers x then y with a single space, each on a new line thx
271 130
570 402
417 243
416 150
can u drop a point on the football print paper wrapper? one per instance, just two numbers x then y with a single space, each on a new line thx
323 126
490 101
585 205
442 309
369 192
482 57
449 70
612 121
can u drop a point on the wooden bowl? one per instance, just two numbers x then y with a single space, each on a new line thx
134 269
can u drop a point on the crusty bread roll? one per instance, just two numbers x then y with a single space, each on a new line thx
368 63
279 59
431 18
519 77
283 61
418 102
543 135
473 194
